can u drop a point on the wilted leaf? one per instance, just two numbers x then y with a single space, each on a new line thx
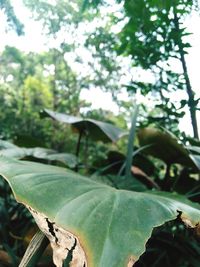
99 225
97 130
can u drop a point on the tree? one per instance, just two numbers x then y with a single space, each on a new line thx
12 20
31 82
154 37
73 33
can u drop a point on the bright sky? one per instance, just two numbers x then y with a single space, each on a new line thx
35 41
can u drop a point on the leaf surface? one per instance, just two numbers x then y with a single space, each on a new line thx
40 153
97 130
5 144
101 226
165 146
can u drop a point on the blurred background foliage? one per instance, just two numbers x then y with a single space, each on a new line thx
109 42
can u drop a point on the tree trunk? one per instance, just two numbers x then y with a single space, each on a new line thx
190 92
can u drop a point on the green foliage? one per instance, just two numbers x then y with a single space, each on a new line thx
39 153
52 15
30 83
154 37
98 195
36 94
77 197
12 20
121 200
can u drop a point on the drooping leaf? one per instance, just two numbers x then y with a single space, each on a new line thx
97 130
99 225
166 147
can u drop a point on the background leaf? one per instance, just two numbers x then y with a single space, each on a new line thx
97 130
165 146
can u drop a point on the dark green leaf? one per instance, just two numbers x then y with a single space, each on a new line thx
97 130
165 146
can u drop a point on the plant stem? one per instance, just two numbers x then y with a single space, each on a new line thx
78 148
35 249
86 151
131 138
167 173
166 179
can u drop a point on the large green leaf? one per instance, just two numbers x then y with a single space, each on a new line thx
40 153
166 147
99 225
97 130
121 182
5 144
